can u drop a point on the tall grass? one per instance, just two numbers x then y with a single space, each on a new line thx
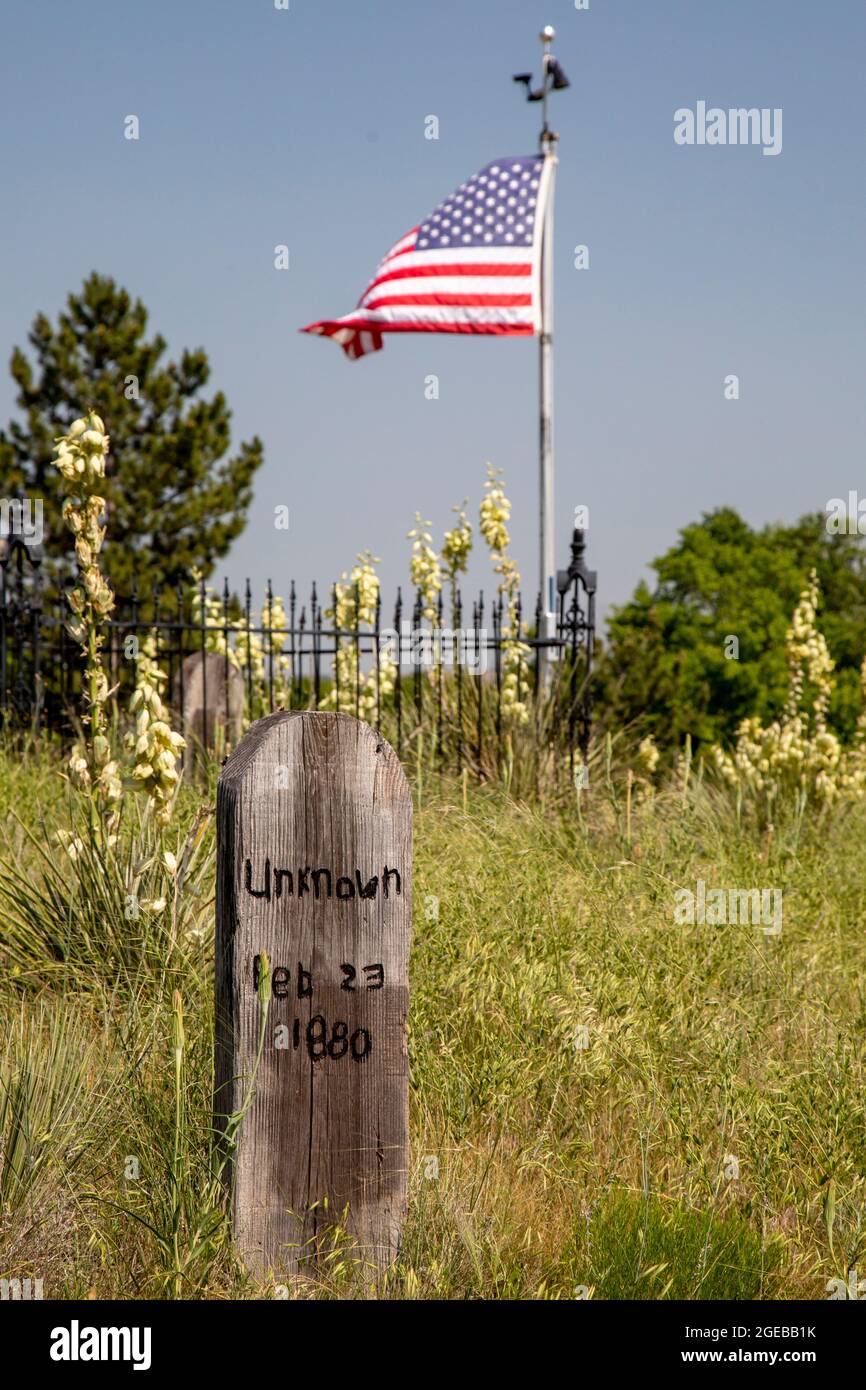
604 1103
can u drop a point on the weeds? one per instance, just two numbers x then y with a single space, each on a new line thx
618 1106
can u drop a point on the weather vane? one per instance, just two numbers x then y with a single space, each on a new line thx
553 79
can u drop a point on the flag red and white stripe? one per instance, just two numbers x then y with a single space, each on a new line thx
474 266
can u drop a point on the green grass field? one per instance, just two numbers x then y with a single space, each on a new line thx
604 1103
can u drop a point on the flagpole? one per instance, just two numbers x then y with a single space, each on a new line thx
546 520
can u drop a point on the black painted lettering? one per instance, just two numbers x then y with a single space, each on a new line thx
279 875
248 881
317 1045
317 874
339 1044
368 890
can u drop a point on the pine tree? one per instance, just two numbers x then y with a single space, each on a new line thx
174 501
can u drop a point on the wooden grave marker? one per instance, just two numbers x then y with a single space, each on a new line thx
314 868
208 693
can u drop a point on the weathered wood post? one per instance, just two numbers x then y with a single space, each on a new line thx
314 868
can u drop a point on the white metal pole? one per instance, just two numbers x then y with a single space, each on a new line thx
547 559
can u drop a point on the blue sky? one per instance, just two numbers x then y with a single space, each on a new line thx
306 127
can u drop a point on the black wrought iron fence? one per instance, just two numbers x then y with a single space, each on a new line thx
469 679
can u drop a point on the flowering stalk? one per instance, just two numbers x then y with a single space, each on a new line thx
798 753
456 547
425 569
207 616
251 654
154 747
81 456
355 603
808 658
494 514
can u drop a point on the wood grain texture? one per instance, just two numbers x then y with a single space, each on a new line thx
311 792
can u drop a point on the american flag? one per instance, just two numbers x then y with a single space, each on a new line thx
472 267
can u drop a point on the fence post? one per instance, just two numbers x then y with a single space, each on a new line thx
578 628
314 867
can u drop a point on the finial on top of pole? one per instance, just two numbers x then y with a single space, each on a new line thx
547 35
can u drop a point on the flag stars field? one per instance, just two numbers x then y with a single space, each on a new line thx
507 200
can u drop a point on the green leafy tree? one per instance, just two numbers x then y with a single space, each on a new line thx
175 500
671 668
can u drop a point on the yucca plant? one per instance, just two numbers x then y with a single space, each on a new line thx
48 1066
87 910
